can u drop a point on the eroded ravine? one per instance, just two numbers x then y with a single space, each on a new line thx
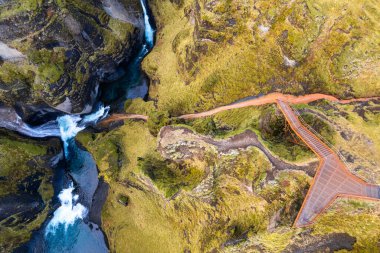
74 225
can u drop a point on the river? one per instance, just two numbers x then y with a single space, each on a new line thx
70 228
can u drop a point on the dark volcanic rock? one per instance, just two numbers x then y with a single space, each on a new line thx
26 207
327 243
64 49
98 201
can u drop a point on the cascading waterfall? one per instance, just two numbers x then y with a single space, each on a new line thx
132 83
70 228
149 31
70 126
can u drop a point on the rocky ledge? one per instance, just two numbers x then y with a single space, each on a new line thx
55 53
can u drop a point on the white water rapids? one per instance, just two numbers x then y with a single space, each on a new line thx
68 212
71 228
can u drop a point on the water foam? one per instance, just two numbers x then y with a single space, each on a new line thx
149 31
71 125
68 212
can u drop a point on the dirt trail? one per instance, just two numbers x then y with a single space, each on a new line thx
271 99
185 139
266 99
118 117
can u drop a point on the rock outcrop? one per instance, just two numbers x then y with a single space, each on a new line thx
55 53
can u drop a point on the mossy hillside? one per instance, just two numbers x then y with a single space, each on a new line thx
116 153
215 52
170 177
22 164
233 202
250 167
204 214
357 218
16 169
77 40
356 126
15 7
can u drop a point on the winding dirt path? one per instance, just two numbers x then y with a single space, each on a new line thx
183 139
266 99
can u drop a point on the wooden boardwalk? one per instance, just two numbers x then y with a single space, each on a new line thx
332 179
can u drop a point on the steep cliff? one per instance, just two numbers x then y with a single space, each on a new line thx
55 53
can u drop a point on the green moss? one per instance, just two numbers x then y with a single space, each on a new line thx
170 177
13 73
18 7
21 164
50 65
157 120
250 166
215 54
107 150
139 106
320 126
363 225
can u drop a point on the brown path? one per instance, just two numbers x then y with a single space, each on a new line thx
332 180
118 117
176 135
271 99
266 99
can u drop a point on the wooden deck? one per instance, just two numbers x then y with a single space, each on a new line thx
332 180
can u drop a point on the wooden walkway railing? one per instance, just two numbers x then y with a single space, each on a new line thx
332 179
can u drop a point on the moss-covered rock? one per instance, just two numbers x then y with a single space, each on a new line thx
67 46
26 187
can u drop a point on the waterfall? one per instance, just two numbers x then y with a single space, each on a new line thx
68 212
70 126
149 31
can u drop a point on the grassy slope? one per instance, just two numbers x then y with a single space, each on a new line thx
151 222
361 144
215 53
44 66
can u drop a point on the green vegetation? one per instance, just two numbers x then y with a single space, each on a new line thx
170 177
320 126
50 65
67 43
18 7
215 52
357 218
157 120
223 198
267 122
22 165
